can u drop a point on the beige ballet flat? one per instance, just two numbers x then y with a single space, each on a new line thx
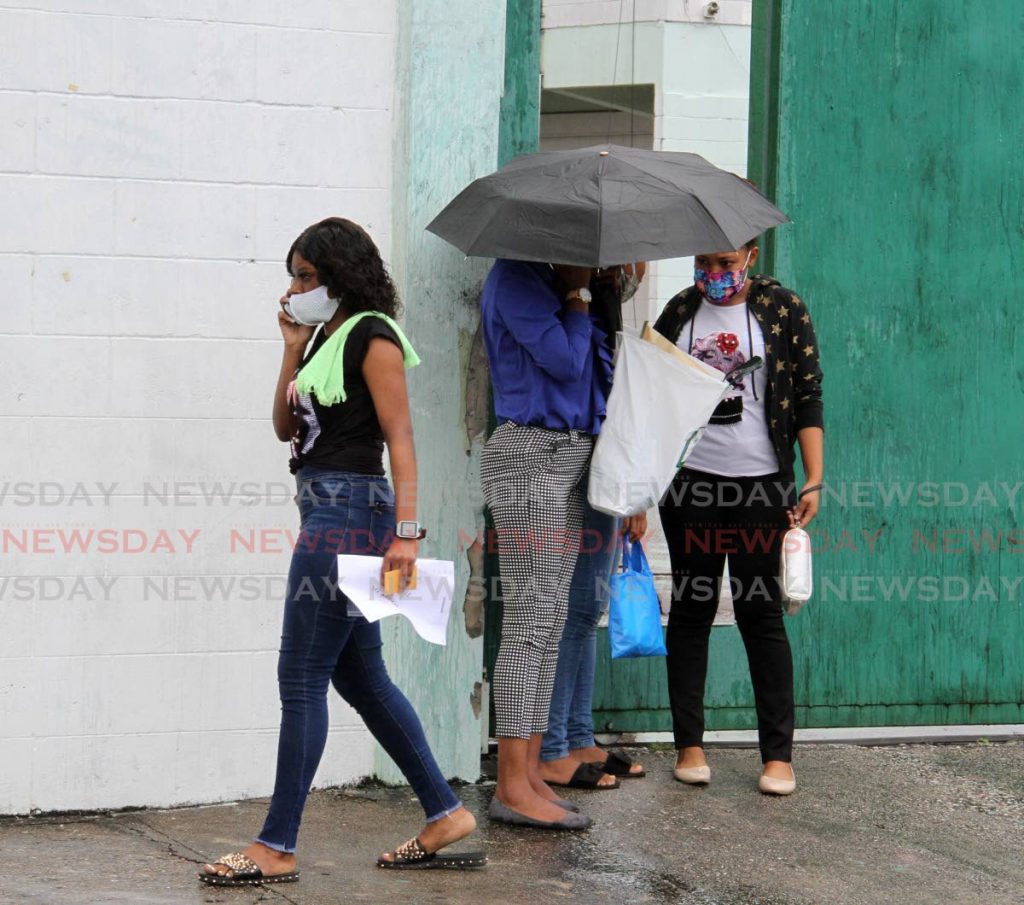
694 776
771 785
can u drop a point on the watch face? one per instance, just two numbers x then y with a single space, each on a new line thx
585 295
408 530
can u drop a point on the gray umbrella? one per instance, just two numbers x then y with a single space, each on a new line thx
605 205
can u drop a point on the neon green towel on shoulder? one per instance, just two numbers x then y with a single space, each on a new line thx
324 374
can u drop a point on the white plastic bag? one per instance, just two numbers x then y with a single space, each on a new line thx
659 405
795 576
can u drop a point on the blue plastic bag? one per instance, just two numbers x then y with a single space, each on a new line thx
634 612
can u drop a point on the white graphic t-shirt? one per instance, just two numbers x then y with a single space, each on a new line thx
736 443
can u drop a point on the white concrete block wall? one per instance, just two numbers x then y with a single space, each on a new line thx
574 13
704 105
156 160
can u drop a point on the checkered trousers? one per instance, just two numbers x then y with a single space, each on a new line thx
533 482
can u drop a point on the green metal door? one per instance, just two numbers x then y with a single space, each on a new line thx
890 132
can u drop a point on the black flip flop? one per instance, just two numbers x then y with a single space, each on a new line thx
586 776
619 765
244 872
412 855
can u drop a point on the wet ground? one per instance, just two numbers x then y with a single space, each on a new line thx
924 824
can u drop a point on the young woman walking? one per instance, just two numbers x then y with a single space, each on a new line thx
338 405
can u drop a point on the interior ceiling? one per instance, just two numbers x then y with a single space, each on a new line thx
599 99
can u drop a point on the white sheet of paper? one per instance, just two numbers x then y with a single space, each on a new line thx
427 607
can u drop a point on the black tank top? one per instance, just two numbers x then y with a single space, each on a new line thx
346 436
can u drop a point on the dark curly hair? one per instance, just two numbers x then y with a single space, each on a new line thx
348 263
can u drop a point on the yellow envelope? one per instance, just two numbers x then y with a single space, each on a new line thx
393 581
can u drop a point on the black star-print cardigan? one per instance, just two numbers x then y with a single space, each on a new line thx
793 398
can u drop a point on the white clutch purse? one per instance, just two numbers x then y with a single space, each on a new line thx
795 578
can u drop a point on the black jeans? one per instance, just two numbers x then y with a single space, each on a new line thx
705 518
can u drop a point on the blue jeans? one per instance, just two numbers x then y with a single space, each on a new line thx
324 642
571 718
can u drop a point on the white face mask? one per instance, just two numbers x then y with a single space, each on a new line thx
311 308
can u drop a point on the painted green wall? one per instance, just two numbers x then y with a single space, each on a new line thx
520 102
890 131
450 68
897 156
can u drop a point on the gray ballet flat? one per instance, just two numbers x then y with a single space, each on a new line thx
502 813
567 805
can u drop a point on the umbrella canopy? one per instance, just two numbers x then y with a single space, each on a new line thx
605 205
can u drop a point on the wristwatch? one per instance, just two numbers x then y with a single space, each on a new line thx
409 530
583 294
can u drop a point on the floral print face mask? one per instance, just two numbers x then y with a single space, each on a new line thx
719 286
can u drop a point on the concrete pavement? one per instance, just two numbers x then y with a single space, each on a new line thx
917 825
